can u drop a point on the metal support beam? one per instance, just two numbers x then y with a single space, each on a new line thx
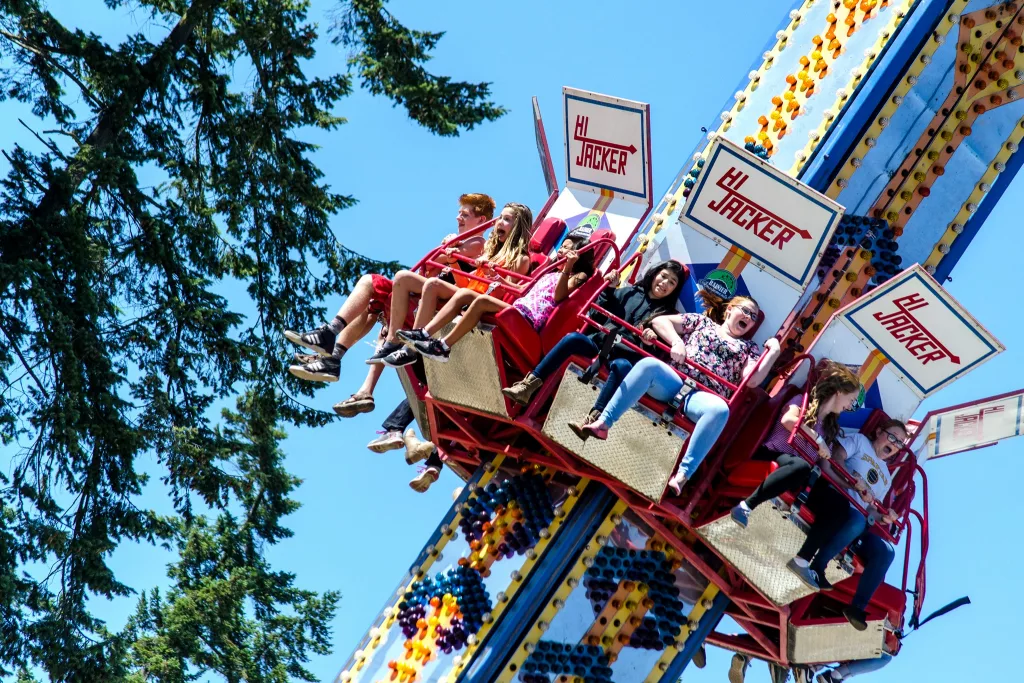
708 621
595 503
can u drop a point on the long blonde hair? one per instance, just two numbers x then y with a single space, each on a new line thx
833 378
517 242
715 307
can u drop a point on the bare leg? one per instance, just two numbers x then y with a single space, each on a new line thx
358 300
406 283
356 329
370 383
433 289
450 311
483 304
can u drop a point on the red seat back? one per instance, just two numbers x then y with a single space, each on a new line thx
546 235
758 426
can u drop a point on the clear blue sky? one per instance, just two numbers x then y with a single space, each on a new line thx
360 525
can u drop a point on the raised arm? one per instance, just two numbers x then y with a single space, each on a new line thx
758 374
789 421
668 328
567 280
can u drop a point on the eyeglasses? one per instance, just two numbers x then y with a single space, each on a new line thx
747 312
893 439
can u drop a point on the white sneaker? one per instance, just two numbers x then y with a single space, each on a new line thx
423 481
386 441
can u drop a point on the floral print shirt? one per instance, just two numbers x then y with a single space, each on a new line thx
704 346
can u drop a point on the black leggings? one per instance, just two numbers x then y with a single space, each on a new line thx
790 476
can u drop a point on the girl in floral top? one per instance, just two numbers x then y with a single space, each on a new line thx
714 340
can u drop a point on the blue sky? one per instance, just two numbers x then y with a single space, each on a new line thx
360 525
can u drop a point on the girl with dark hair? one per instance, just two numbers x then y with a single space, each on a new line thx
835 390
656 294
714 339
536 306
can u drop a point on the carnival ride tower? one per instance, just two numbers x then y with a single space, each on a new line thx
841 185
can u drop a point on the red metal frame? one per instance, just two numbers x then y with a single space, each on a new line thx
463 434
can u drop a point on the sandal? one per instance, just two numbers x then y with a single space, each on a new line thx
354 405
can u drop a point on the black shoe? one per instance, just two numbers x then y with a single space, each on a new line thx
322 370
320 340
828 677
413 336
857 617
434 349
401 357
386 349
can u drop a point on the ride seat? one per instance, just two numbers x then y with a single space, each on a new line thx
526 345
743 473
544 239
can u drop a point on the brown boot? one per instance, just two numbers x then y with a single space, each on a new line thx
416 450
577 427
522 391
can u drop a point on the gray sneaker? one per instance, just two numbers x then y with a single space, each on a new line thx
386 441
805 574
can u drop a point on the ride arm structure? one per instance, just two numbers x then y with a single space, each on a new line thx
571 559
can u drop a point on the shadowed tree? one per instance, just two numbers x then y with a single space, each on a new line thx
157 180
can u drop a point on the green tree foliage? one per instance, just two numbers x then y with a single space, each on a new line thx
116 338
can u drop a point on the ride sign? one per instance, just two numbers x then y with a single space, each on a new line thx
607 144
921 330
970 426
742 200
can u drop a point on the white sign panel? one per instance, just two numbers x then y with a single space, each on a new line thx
923 332
608 144
971 426
742 200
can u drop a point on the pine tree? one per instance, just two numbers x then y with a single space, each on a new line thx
116 339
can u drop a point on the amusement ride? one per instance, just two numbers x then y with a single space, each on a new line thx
840 186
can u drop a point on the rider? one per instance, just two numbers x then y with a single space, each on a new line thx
370 299
867 462
536 306
507 247
713 339
836 390
655 295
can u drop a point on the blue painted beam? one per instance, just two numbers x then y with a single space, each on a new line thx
707 624
872 93
595 503
960 244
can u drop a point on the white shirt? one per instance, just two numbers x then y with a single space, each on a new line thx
861 459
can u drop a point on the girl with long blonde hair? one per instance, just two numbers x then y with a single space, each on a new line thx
507 247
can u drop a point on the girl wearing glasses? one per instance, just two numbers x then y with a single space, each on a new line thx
714 339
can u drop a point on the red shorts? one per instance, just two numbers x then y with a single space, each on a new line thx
380 301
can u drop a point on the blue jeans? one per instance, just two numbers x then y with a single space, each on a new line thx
578 344
875 553
708 412
849 531
863 666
